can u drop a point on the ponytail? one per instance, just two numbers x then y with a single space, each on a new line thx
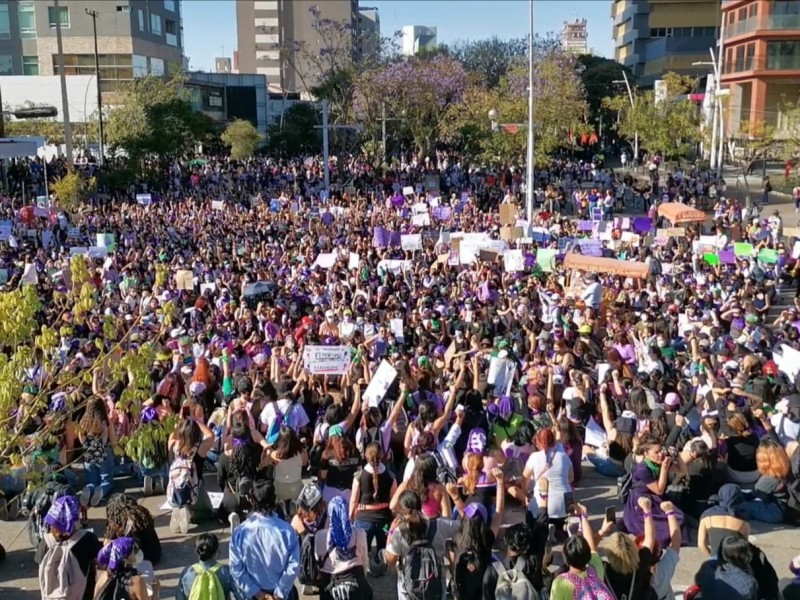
373 454
474 468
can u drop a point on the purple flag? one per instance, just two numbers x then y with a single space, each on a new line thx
642 225
727 257
530 259
394 238
585 225
398 201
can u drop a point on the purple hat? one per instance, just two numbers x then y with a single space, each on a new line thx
476 509
58 402
477 441
64 514
113 555
672 400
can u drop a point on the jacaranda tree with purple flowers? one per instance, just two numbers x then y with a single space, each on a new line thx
559 113
416 90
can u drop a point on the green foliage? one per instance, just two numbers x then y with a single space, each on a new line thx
489 60
671 126
242 137
70 190
297 134
154 118
598 75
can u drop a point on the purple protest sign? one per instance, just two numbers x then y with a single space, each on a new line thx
530 259
442 213
380 237
585 225
327 218
464 197
727 257
398 201
642 225
394 238
590 247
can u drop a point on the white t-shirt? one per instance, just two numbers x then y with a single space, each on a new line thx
294 414
664 572
787 431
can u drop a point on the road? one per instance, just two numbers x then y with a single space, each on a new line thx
18 574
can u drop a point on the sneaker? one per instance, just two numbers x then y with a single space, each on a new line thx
84 497
147 486
174 525
97 496
183 520
159 485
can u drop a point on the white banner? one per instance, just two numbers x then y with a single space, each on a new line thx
327 360
379 384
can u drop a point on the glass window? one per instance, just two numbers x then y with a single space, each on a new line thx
752 11
60 14
141 20
27 20
783 55
6 66
786 7
5 26
170 26
169 5
653 32
155 24
30 65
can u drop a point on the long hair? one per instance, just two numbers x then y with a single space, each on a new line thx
621 553
423 475
202 372
409 508
243 456
426 442
125 517
772 460
546 441
188 435
96 416
374 455
474 541
288 444
739 424
426 414
340 448
474 469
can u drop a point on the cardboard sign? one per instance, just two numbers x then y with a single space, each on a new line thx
511 233
508 214
327 360
791 232
411 242
217 205
185 279
488 255
379 384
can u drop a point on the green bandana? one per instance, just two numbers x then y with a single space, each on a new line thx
655 469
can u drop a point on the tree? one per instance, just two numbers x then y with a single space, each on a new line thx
419 89
155 119
491 59
671 126
69 190
298 134
598 75
559 110
242 137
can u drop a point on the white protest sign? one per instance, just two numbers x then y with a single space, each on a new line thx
40 211
144 199
787 359
217 205
411 242
421 220
513 261
419 208
396 325
97 251
353 260
796 250
325 260
5 230
501 374
408 191
327 360
47 238
595 435
29 275
211 287
379 384
394 266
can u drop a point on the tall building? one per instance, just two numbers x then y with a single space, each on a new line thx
574 37
761 62
369 32
417 38
222 64
266 30
135 37
652 37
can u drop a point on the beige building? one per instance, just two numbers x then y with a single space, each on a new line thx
268 30
135 37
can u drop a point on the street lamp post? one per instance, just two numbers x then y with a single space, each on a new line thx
326 127
633 108
529 195
718 122
93 14
63 78
712 163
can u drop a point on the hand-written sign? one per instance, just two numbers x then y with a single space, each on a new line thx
327 360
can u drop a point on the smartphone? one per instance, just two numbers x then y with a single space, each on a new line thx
573 526
611 514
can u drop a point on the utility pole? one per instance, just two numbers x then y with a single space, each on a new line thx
529 192
326 127
102 142
63 77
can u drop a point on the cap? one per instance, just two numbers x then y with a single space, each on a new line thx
476 509
672 400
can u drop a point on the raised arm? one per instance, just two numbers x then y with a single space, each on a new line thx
675 537
649 524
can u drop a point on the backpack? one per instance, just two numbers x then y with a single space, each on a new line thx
38 503
60 575
116 588
207 585
513 584
182 488
624 486
422 569
310 565
589 588
281 418
444 474
346 586
94 450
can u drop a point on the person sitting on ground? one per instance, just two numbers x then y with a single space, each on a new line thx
119 578
126 518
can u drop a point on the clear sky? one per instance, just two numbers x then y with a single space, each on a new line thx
210 25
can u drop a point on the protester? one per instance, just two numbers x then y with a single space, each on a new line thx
119 578
218 576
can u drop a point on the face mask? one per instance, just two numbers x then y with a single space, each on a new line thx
138 557
329 319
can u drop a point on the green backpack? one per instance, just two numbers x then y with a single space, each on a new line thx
207 585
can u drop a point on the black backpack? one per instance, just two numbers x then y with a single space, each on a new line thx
624 486
38 503
468 576
423 578
444 474
310 565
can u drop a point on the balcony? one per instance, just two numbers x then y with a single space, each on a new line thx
766 23
761 63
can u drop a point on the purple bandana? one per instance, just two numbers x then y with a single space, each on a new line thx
64 514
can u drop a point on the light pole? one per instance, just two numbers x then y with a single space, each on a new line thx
712 163
63 78
718 122
93 14
384 118
325 149
633 108
529 166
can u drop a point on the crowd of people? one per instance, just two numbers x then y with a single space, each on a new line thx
372 377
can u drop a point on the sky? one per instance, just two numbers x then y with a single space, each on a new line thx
209 26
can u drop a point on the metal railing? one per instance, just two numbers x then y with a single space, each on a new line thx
767 22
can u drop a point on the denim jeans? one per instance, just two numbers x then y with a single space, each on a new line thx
142 472
606 466
100 474
765 512
375 531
